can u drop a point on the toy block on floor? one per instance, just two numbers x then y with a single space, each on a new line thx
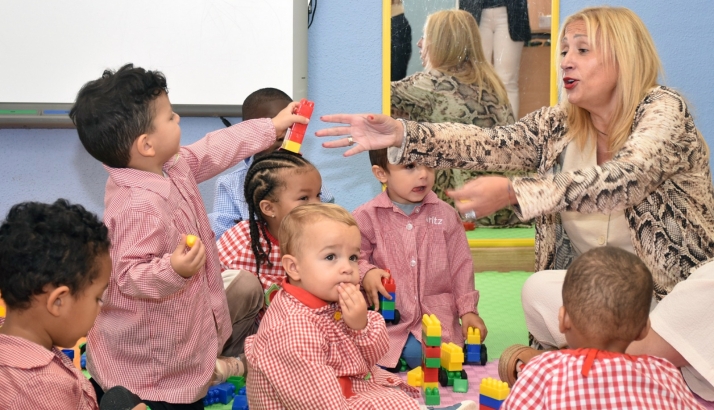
237 381
240 401
222 393
415 377
431 396
431 330
461 386
492 393
452 357
474 350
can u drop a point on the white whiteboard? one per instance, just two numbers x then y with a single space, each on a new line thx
213 52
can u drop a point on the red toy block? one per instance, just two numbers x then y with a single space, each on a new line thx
431 374
389 284
296 133
432 352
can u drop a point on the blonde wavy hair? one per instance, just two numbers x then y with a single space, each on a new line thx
292 228
453 46
620 37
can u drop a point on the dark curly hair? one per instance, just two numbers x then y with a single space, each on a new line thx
43 244
112 111
262 182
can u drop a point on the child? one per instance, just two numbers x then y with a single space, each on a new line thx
165 318
421 240
606 302
317 345
54 268
275 184
229 205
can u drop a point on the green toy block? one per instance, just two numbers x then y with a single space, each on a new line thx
387 305
238 381
432 362
431 341
431 396
461 386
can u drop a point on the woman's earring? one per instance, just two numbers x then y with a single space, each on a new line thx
273 215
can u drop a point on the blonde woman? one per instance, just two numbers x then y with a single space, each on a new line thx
619 162
457 85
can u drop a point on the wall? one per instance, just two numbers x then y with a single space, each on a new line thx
344 76
344 55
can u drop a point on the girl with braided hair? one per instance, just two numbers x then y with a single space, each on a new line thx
249 253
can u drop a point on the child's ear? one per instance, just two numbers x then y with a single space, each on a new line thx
57 300
291 267
563 320
267 208
144 146
644 331
380 173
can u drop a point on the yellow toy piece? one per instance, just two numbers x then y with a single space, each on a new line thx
427 385
494 389
415 377
2 308
452 357
430 325
191 240
291 146
474 336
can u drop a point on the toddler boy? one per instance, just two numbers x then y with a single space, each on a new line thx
420 239
606 302
54 268
165 318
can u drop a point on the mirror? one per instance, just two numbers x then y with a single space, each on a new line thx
532 87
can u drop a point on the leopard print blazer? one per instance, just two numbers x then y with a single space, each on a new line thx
660 178
436 97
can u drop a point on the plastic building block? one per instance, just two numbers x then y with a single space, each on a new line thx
431 374
431 396
447 378
494 389
415 377
69 353
387 307
389 284
452 357
222 393
240 401
296 133
83 361
431 326
473 336
461 386
237 381
489 402
432 352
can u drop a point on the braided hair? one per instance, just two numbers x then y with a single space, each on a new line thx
261 183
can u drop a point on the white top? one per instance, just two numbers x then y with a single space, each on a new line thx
587 231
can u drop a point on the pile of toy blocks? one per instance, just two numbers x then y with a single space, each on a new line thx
427 376
492 394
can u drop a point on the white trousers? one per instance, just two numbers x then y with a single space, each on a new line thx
506 53
684 319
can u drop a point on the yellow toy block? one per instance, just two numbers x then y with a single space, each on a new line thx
430 325
452 357
494 389
474 336
415 377
291 146
426 385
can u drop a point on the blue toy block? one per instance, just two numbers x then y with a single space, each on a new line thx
473 353
388 314
490 402
69 353
83 361
225 392
240 401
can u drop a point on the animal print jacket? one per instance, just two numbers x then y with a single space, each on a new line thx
660 177
436 97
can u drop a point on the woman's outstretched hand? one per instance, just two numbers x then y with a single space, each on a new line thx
483 195
368 132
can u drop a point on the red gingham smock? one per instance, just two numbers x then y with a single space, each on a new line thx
234 252
429 258
159 334
599 380
36 378
300 351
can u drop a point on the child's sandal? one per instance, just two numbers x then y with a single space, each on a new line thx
510 357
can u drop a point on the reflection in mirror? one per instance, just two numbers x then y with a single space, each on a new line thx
451 78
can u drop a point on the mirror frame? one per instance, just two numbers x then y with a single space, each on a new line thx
387 49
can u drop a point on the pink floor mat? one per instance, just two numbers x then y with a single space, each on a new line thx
475 374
